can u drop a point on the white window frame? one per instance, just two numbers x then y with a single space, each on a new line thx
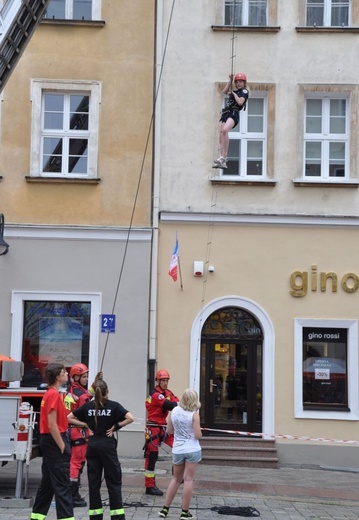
96 10
240 133
327 15
325 137
352 359
17 310
245 12
38 88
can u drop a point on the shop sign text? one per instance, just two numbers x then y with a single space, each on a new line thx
302 281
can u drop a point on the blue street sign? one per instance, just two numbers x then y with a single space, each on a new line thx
108 323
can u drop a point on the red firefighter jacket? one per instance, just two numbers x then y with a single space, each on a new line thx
158 404
76 396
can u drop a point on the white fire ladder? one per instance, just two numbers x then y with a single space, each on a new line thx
18 20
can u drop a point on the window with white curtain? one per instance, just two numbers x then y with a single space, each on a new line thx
245 12
326 137
74 9
328 13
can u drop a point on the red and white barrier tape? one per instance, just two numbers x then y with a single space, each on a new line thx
287 437
273 435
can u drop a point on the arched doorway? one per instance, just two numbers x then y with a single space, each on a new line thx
231 386
245 333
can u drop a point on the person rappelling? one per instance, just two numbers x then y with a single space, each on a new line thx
229 119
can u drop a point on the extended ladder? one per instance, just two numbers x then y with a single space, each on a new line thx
18 21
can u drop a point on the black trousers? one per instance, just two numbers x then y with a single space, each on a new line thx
102 457
55 480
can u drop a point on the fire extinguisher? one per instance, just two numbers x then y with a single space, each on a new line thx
24 427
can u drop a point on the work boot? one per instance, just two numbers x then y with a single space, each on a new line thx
154 491
77 500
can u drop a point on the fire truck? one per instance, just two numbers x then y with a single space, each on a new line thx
18 21
18 405
19 409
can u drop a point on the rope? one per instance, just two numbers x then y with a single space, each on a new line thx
140 178
204 285
213 204
237 511
233 55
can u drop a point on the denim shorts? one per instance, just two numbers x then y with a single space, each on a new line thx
181 458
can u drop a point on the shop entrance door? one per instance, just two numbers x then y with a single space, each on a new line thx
231 372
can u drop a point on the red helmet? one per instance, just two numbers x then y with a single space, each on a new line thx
78 370
162 374
240 76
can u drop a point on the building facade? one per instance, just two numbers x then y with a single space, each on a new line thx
76 166
263 317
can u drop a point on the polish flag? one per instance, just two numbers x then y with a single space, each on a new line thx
174 262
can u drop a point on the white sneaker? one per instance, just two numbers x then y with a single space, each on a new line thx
221 162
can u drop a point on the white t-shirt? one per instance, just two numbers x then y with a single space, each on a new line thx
185 440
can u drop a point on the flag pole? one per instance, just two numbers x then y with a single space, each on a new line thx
180 272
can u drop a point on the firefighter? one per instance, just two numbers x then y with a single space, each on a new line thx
104 417
55 450
158 404
76 396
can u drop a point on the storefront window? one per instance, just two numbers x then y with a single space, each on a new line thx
55 331
325 371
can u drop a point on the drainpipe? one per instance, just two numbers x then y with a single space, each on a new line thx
155 193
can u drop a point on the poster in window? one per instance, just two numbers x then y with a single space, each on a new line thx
60 340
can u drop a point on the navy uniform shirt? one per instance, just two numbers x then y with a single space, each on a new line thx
111 414
231 102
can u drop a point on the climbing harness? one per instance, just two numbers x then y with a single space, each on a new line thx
237 511
149 438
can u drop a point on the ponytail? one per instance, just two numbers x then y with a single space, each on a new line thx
101 392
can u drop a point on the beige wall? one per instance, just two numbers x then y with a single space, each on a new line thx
254 262
284 60
120 56
236 227
72 238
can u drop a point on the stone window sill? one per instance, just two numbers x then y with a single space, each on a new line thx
60 180
247 28
77 23
242 182
301 183
305 29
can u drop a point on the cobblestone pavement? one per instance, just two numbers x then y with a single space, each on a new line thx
277 494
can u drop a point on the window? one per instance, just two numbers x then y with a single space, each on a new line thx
54 331
325 373
326 138
328 13
247 141
74 9
326 360
245 12
59 327
65 133
65 129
